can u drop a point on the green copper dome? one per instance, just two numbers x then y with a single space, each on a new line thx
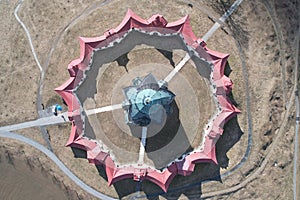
147 100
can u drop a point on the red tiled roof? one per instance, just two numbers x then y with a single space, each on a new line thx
186 165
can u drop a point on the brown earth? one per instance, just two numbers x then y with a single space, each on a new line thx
18 181
190 97
265 30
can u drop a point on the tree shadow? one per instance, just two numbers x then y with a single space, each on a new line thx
236 23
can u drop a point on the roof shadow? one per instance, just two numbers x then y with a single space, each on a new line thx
169 143
191 186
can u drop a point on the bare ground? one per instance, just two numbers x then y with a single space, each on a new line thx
251 25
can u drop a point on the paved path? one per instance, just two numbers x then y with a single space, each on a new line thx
257 173
59 119
28 34
55 159
45 121
205 38
295 183
44 133
103 109
271 11
296 148
142 145
222 19
177 68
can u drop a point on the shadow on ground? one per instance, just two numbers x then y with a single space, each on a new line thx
189 187
167 141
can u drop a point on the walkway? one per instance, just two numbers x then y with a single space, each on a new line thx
62 118
205 38
222 20
45 121
55 159
296 177
103 109
142 145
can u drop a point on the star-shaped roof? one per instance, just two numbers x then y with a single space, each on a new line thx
222 86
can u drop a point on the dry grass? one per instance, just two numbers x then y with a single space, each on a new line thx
19 81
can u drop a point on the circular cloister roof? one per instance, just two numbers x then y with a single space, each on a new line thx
101 131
